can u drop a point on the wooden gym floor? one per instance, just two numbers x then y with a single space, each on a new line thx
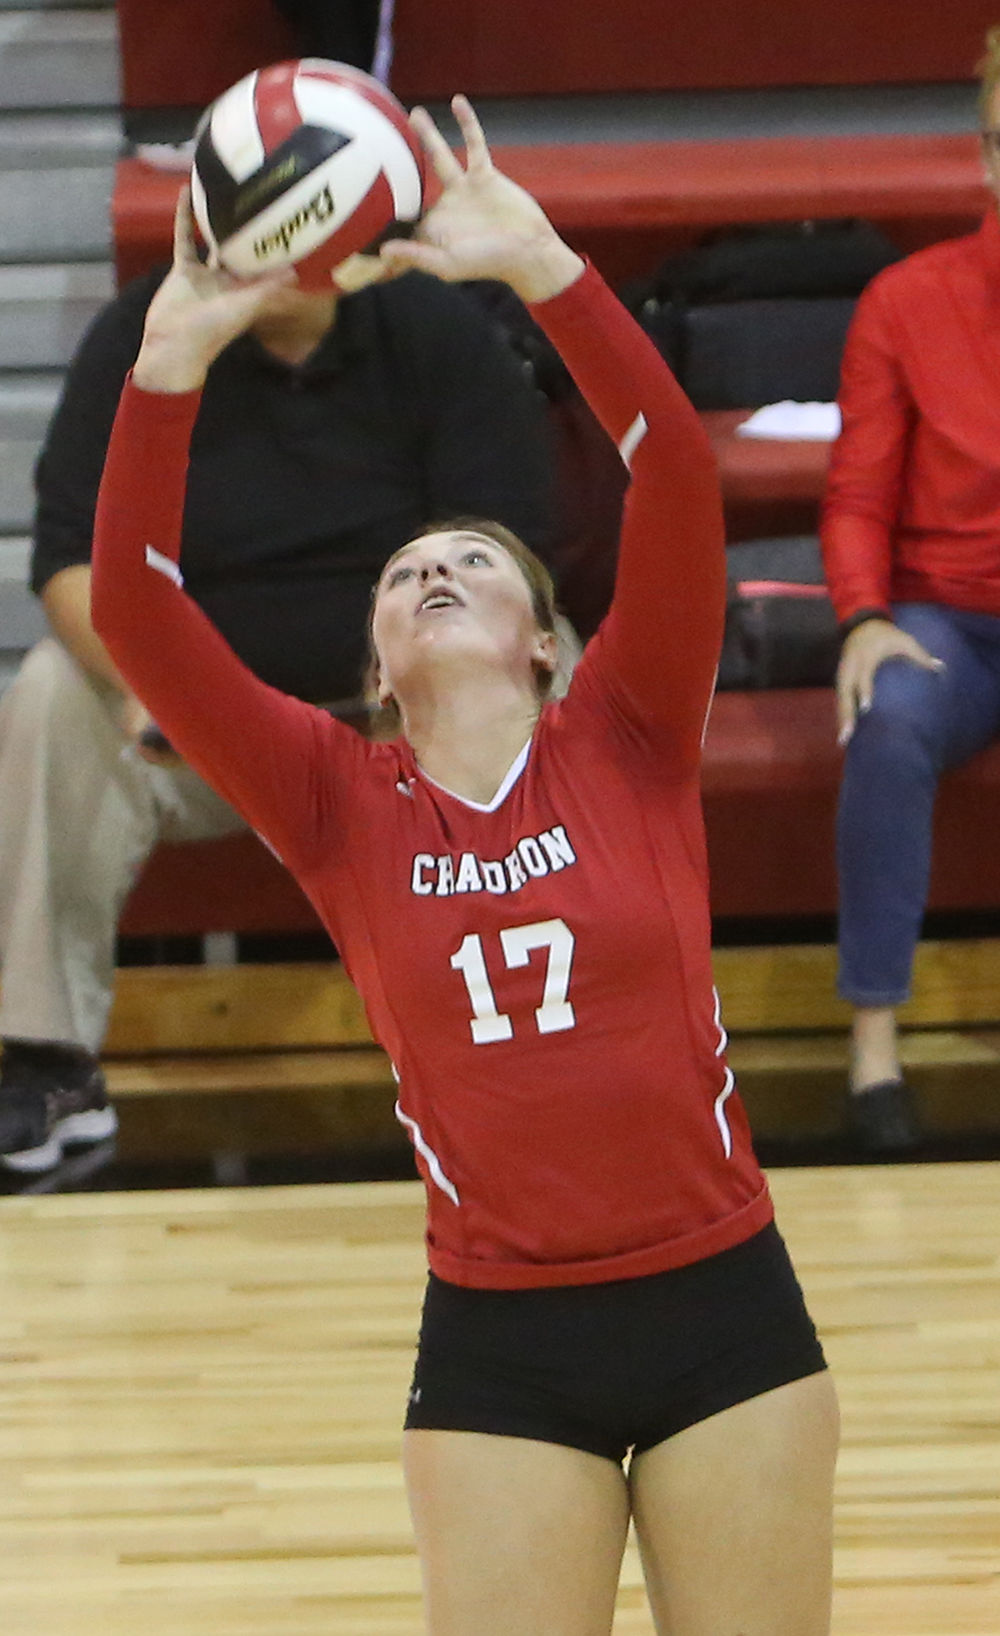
200 1397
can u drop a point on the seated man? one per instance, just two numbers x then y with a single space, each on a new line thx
327 437
346 32
911 541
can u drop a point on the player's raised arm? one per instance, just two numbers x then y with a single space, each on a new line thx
255 745
662 638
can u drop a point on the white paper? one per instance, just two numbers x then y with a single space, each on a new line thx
166 155
806 422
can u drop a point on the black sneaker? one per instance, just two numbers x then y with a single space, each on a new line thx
50 1098
882 1119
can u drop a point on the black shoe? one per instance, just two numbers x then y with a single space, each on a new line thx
883 1118
50 1098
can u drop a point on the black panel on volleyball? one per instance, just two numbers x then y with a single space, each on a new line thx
231 203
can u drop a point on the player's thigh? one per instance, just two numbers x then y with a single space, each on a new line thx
515 1535
734 1517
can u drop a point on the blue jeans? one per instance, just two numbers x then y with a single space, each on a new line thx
921 723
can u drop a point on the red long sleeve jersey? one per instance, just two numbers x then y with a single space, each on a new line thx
912 507
538 969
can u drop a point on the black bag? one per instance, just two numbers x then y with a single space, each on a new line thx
741 354
780 259
756 314
781 628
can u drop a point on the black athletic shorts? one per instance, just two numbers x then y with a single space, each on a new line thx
618 1367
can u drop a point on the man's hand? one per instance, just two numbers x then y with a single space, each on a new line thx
135 721
867 647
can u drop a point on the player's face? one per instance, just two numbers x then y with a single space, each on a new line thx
455 594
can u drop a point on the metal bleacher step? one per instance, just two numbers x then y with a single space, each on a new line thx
729 115
60 138
44 310
22 622
64 57
26 404
57 170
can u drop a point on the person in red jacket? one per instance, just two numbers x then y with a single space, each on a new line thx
911 544
518 887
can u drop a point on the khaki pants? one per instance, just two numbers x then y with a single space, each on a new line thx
80 812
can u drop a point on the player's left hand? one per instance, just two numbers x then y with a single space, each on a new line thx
483 225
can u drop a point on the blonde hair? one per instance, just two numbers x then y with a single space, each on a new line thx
385 717
988 69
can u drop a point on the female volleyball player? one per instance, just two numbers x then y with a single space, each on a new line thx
518 888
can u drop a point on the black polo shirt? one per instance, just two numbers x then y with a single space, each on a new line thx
303 480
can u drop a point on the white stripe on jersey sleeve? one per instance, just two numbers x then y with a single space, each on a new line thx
633 437
163 565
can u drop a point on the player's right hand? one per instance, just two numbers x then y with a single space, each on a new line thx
196 312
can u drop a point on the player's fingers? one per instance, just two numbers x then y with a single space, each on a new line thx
477 151
444 163
402 255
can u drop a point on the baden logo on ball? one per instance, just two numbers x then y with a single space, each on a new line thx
306 164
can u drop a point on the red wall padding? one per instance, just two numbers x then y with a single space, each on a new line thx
185 52
521 47
181 53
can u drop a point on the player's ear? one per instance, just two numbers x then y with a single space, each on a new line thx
545 652
383 692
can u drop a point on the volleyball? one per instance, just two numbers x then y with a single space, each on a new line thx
304 164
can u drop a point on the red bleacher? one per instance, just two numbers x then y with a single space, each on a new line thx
629 204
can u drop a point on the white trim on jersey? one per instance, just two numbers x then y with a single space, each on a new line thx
717 1019
708 707
728 1085
633 437
720 1114
163 565
508 781
428 1155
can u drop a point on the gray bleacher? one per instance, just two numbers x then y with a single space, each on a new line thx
60 134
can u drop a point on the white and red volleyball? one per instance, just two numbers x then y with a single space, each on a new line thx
304 164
